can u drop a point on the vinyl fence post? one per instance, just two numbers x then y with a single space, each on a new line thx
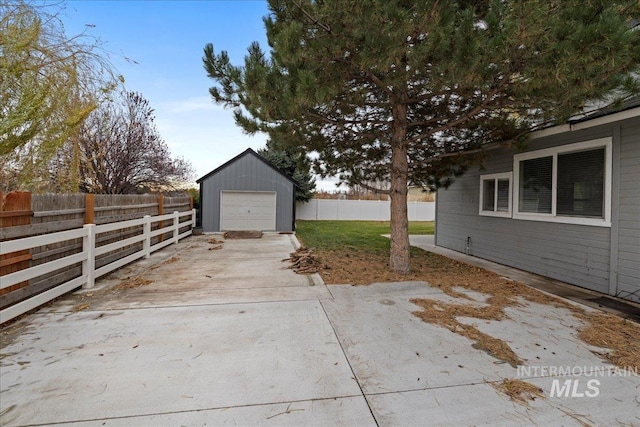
193 219
88 247
176 226
146 231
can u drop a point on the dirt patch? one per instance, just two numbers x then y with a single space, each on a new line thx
519 391
243 234
171 260
132 283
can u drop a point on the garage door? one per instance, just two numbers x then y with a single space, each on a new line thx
247 210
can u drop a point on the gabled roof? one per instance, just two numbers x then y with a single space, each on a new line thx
248 151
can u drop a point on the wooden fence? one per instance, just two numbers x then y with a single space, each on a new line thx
23 215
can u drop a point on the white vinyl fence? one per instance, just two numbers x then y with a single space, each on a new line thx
88 255
365 210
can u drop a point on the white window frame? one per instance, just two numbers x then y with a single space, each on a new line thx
495 177
605 143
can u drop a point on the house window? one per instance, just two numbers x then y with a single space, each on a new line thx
495 194
536 185
570 183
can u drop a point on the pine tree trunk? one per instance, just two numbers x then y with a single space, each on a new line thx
399 259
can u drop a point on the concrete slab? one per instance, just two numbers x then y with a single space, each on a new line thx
256 344
236 265
190 274
349 411
483 405
97 365
162 298
415 373
477 405
591 399
392 350
408 289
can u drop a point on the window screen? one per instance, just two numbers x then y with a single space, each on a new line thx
488 194
535 185
581 183
503 195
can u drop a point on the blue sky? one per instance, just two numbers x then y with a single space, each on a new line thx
166 39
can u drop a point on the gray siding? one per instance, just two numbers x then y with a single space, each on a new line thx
247 173
628 256
576 254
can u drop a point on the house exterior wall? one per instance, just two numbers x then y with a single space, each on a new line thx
628 242
604 259
247 173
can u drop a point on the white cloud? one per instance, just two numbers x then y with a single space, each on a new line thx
189 105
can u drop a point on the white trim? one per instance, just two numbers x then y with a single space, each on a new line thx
496 177
553 152
609 118
622 115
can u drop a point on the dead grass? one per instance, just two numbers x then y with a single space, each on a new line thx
518 390
171 260
619 335
133 283
215 241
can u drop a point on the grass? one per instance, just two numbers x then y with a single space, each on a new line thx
353 235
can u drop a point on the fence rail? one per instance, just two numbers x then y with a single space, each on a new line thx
168 224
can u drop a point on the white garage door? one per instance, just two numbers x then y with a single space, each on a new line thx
247 210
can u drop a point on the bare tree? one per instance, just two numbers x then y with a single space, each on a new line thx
120 151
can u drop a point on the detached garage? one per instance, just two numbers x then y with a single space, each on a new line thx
247 193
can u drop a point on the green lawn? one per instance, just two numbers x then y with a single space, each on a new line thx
353 235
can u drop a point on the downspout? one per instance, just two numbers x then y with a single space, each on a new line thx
200 208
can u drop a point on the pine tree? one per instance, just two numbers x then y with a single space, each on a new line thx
381 89
294 164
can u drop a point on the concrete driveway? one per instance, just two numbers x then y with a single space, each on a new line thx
231 337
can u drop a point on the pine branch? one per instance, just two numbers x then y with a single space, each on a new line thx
314 20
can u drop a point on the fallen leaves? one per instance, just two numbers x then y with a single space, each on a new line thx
81 307
132 283
217 244
518 390
619 335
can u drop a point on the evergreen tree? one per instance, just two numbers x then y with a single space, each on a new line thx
381 89
294 164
